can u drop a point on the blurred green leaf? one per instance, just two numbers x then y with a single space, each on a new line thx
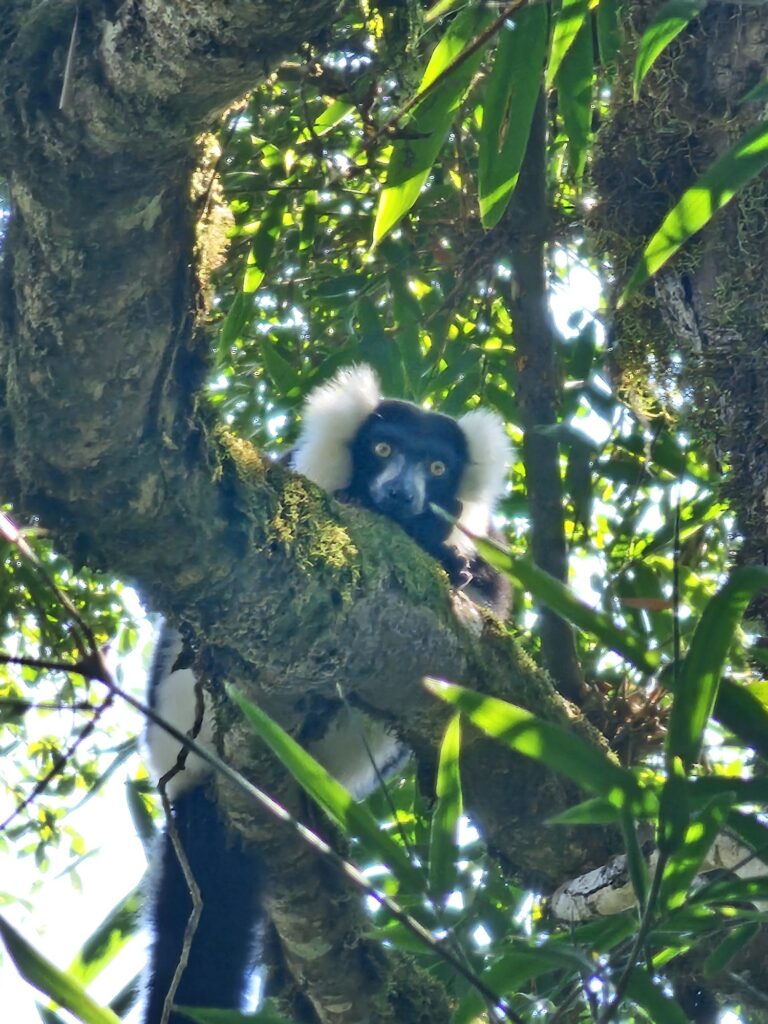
352 817
730 947
567 23
443 849
668 23
513 88
53 983
574 96
716 187
703 665
552 745
685 863
109 938
415 152
661 1008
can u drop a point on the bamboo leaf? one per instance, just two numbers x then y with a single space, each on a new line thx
443 849
730 947
661 1008
510 100
574 96
559 598
566 26
744 714
552 745
52 982
414 154
716 187
703 665
668 23
109 938
683 866
608 31
334 799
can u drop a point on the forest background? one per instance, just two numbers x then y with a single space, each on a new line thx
212 207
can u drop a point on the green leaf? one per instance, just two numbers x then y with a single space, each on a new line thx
263 243
574 97
684 865
555 595
443 850
52 982
703 665
280 371
440 8
552 745
716 187
608 31
674 809
331 116
510 100
109 938
338 804
242 309
414 154
595 811
567 24
637 868
513 970
732 890
730 947
744 714
661 1008
668 23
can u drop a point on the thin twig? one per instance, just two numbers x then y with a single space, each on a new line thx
195 895
478 42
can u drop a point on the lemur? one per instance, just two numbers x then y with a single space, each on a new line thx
396 459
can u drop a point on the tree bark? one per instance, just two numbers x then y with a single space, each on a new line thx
709 305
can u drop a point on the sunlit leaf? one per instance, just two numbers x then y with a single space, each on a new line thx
574 96
668 23
510 100
703 665
422 138
331 116
567 23
716 187
559 598
52 982
685 863
351 816
443 850
554 746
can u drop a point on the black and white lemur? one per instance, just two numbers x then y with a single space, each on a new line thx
395 459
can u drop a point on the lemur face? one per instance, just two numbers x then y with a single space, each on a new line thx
404 459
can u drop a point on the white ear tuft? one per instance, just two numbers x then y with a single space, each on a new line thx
332 415
484 480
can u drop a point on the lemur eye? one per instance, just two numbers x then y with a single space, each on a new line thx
437 468
383 449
